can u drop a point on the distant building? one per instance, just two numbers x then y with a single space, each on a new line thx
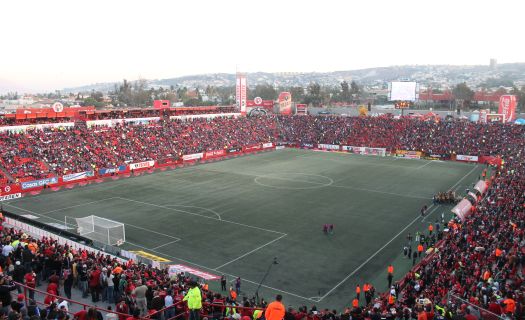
493 64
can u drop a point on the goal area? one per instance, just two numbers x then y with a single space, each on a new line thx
98 229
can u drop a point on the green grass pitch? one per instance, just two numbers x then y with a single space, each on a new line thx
234 216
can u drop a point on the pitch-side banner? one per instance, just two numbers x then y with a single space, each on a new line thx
214 154
140 165
328 146
267 145
39 183
118 169
461 157
174 269
10 196
409 154
195 156
77 176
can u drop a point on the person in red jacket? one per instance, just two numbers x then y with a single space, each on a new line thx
94 284
275 310
123 309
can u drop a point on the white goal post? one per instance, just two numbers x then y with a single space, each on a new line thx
98 229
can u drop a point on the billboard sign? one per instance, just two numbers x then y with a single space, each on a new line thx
507 107
285 103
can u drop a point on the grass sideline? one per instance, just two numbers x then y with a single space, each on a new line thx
233 217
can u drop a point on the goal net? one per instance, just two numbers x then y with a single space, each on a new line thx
98 229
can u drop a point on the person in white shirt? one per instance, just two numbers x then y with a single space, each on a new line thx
63 304
6 250
168 302
110 315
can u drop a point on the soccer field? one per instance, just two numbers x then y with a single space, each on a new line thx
233 217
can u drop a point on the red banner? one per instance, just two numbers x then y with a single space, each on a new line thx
214 154
252 148
265 104
285 103
507 107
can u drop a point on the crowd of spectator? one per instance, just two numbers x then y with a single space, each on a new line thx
478 265
57 151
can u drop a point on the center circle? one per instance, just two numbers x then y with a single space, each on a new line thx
293 181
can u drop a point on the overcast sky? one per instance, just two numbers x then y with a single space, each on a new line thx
47 45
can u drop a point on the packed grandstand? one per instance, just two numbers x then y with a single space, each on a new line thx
479 260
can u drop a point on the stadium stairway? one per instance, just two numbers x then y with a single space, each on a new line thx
80 124
4 175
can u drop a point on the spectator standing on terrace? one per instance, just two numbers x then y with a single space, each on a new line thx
275 310
83 280
140 298
110 286
194 300
168 303
30 281
18 275
5 292
94 284
68 283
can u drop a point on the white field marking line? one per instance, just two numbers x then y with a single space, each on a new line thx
250 252
426 164
162 245
376 164
201 215
427 215
61 222
149 230
272 176
205 209
369 258
227 274
466 175
315 184
383 192
78 205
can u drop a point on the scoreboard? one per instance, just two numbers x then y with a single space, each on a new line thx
402 105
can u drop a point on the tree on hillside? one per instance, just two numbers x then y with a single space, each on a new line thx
297 94
265 91
314 94
463 94
520 95
354 88
346 96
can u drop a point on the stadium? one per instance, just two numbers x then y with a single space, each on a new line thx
250 199
262 160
